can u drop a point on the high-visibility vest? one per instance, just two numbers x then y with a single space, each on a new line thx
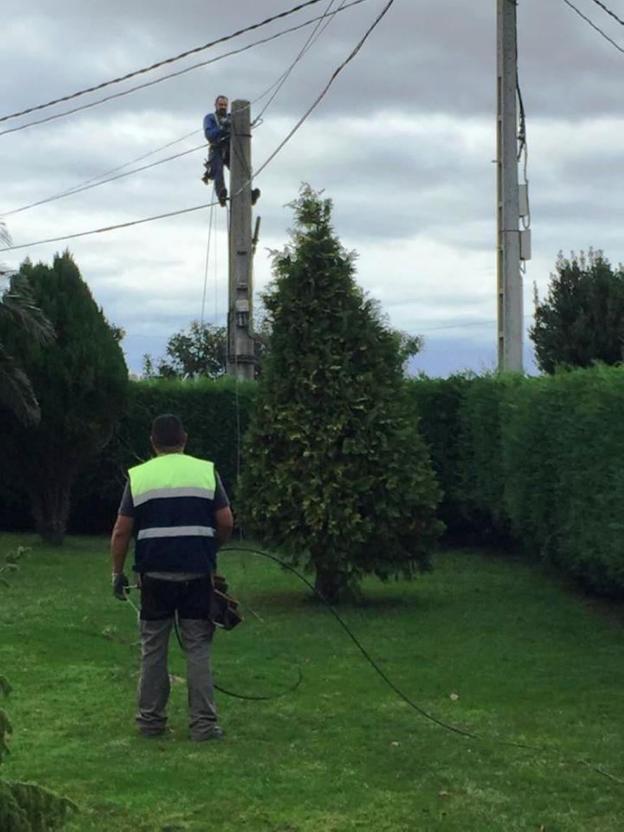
174 523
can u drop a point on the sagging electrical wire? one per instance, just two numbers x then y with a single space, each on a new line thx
103 177
164 62
608 11
89 186
593 25
263 166
398 691
306 46
177 74
325 90
107 175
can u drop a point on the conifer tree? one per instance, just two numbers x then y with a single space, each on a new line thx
581 320
80 381
336 474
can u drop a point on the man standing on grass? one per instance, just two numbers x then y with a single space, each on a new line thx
177 509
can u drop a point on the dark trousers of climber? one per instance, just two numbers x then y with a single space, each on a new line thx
160 601
218 156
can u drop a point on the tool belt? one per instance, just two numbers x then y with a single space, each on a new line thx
224 608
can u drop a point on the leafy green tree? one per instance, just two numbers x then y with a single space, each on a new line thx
199 350
80 381
336 474
581 320
17 309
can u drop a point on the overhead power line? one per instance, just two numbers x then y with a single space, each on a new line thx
88 186
137 159
608 11
113 227
179 72
593 25
164 62
107 176
307 45
325 90
262 167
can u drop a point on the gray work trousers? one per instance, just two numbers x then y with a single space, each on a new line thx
154 685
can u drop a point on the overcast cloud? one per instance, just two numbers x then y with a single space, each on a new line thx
403 143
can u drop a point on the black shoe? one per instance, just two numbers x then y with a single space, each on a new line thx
255 195
223 197
213 733
159 733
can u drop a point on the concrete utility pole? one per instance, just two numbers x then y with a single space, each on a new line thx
510 300
241 353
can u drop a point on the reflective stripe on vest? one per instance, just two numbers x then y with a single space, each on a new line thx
176 531
166 493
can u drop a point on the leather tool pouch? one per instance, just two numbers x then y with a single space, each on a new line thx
224 612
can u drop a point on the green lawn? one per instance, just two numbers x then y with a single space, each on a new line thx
529 662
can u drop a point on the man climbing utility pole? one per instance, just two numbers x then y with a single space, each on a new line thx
241 346
217 132
510 300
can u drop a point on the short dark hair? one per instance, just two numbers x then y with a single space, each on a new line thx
168 431
221 96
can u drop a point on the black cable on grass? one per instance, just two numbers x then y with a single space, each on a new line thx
452 728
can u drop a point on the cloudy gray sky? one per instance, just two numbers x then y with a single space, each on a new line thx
403 143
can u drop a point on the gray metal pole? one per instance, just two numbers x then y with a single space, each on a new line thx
510 300
241 353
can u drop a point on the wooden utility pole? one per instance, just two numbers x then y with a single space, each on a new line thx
510 300
241 352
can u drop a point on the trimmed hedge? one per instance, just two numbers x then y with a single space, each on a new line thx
564 446
212 420
538 459
437 403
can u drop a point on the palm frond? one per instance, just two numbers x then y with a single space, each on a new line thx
16 393
5 239
18 306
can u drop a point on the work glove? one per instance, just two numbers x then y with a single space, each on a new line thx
120 585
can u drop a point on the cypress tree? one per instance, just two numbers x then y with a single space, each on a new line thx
336 474
80 381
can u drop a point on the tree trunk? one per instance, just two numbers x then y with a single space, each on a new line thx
50 507
330 584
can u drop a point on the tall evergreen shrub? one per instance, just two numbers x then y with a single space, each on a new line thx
336 473
80 381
